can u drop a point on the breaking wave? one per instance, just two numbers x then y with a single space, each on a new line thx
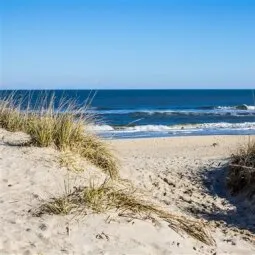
238 107
240 110
165 128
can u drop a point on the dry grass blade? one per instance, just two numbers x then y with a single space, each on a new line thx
194 228
58 206
106 198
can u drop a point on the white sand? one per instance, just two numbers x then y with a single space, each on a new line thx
183 174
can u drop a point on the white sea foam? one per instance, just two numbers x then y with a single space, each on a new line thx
225 125
238 107
148 128
100 128
177 128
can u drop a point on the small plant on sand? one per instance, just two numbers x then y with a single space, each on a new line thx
107 197
241 175
63 126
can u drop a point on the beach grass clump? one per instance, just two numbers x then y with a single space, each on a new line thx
97 152
69 131
64 127
58 206
41 129
241 174
10 116
245 156
105 198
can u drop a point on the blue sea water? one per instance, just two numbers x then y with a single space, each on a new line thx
156 113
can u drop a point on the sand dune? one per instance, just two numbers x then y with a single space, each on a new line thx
184 174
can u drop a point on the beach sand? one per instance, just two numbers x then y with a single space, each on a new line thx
186 175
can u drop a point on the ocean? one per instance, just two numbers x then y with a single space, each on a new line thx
163 113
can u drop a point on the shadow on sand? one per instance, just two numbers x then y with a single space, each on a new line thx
243 214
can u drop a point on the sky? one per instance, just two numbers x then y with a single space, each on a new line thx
124 44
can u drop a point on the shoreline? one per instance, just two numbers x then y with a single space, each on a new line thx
175 136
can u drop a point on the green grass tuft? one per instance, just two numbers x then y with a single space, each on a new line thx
64 128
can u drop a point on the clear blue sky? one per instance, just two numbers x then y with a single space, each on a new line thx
127 44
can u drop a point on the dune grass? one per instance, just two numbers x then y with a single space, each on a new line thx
10 117
241 174
106 197
245 155
64 127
